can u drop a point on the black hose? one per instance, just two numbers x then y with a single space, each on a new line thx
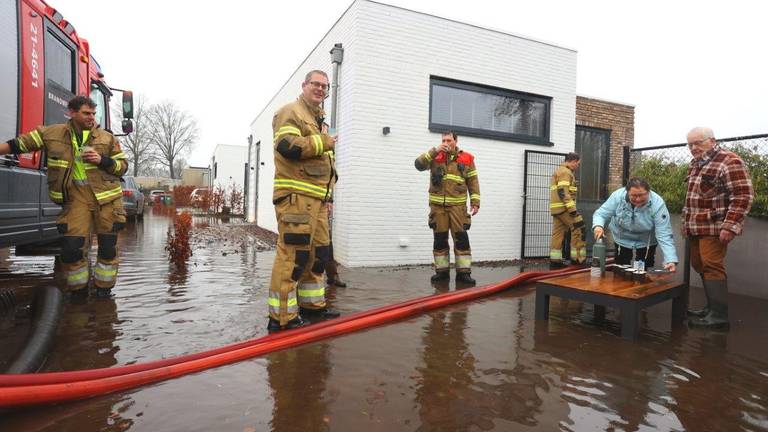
31 358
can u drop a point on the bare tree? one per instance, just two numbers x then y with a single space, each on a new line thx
138 145
179 164
173 133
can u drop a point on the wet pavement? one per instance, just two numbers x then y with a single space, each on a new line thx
481 365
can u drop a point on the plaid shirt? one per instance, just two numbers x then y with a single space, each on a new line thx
719 194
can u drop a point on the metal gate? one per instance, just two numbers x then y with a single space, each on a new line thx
537 222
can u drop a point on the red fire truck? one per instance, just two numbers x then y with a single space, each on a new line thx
44 64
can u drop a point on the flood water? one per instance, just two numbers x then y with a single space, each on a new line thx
477 366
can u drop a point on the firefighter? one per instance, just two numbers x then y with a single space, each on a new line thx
453 175
304 178
84 168
565 216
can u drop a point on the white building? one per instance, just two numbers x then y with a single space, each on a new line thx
228 166
418 74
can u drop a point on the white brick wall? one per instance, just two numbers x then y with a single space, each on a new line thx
381 199
231 161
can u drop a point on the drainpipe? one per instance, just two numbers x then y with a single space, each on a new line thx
337 56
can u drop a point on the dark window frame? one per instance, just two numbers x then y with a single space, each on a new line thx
496 91
608 133
56 33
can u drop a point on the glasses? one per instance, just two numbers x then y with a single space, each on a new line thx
698 143
319 85
638 196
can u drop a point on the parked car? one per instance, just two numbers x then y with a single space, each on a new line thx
133 198
154 195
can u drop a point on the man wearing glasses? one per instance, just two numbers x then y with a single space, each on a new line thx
304 178
718 197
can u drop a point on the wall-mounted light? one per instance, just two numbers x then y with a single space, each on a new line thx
385 130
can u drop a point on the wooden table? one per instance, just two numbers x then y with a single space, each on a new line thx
614 291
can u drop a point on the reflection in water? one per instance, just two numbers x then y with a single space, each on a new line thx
456 395
483 365
298 381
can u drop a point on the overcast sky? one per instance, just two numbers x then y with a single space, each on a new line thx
680 63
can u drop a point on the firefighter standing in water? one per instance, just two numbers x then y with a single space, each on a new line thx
453 175
304 178
565 216
84 168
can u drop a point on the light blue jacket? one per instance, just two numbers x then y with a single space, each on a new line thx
633 227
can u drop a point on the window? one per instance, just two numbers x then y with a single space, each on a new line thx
59 65
593 145
488 112
101 106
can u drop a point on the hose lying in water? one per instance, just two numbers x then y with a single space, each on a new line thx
47 320
32 389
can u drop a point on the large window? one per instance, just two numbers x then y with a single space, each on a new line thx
59 65
490 112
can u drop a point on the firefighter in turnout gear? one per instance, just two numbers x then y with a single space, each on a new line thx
304 178
84 168
452 176
565 216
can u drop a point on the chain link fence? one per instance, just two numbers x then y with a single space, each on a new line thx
665 168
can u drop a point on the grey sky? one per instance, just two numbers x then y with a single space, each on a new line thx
680 63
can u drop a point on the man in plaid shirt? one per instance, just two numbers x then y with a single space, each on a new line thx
718 198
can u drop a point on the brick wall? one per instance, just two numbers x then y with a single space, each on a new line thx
616 117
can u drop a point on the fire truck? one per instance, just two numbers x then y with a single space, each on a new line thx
44 64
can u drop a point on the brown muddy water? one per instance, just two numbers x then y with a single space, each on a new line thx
478 366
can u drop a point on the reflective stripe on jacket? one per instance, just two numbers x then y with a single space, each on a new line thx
452 177
61 147
638 227
562 191
304 159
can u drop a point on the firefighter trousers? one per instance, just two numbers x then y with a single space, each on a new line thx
81 216
560 224
303 248
456 220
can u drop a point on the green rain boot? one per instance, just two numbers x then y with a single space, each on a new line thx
717 318
701 313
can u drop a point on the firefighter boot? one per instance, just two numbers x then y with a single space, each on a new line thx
324 313
103 292
78 295
701 313
332 271
274 325
440 275
717 318
556 265
465 278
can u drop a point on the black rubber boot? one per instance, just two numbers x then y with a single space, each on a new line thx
556 265
465 278
274 325
717 318
336 282
441 275
103 292
701 313
325 313
79 295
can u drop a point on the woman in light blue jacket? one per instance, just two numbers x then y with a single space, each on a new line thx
639 220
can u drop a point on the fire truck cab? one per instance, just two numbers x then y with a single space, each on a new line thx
45 64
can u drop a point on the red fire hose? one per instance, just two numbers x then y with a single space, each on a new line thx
31 389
